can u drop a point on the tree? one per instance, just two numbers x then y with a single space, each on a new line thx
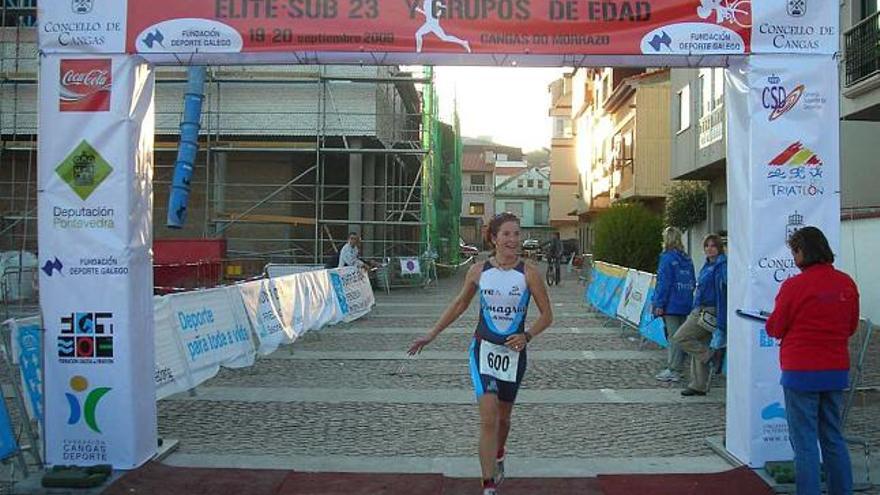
538 157
685 204
629 235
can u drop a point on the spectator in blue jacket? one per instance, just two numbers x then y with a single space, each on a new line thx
707 323
673 298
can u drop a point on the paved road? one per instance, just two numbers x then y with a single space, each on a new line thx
347 397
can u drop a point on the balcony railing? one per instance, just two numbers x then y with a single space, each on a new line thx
863 50
474 188
712 126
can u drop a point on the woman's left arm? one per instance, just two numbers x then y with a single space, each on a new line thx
535 284
721 297
780 319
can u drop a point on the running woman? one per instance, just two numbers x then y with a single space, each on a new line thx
498 351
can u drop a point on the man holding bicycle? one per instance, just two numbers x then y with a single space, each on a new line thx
554 259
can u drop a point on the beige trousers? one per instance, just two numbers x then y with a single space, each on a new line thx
694 340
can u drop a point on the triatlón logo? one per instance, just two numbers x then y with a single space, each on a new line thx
797 155
85 84
83 170
87 409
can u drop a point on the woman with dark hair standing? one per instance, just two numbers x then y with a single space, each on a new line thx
816 313
498 350
708 318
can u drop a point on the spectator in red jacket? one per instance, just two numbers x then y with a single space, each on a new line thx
816 313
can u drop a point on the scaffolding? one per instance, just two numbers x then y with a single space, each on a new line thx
287 184
18 170
291 158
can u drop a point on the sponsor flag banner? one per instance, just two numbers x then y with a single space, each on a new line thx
94 208
8 443
27 342
410 266
787 173
354 294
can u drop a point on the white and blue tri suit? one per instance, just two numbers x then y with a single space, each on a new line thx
504 302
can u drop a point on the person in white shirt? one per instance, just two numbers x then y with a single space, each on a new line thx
348 255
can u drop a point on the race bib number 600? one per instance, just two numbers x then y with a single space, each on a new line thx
498 361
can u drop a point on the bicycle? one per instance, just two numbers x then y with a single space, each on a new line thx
731 11
553 270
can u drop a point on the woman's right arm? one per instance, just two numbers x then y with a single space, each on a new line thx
662 287
458 306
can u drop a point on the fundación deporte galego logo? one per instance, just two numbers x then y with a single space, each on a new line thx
84 170
84 402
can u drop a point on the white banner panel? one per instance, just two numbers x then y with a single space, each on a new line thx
634 300
172 370
354 295
82 26
213 330
96 282
785 172
271 319
795 26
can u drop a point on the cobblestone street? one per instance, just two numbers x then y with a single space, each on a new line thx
348 398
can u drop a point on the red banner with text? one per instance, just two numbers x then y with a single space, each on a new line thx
539 27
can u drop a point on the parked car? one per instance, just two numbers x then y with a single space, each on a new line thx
466 250
531 248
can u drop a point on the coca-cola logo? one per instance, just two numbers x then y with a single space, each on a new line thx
95 78
85 85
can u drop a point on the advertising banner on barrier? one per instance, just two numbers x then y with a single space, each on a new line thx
354 295
213 329
788 175
312 302
652 327
27 336
269 305
634 296
606 289
95 236
172 370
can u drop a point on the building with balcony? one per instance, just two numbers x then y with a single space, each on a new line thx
699 144
563 168
859 129
621 141
526 193
479 160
